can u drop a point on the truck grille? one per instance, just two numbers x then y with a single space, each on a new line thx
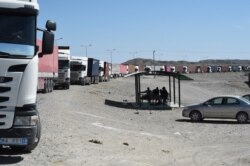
6 117
5 79
2 116
3 99
61 75
4 89
74 76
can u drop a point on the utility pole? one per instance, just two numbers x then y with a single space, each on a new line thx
154 62
86 48
111 59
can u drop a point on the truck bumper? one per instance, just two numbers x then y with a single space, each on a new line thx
27 133
22 135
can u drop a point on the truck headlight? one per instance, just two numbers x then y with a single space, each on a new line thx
26 120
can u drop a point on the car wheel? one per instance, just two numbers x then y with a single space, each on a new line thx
195 116
242 117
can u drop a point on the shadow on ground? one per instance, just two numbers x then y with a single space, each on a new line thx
8 156
143 106
211 122
248 83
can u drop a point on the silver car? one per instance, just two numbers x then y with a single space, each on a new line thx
224 107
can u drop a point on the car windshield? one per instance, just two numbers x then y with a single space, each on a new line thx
245 100
17 36
63 64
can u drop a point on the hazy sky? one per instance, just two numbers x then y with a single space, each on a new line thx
177 29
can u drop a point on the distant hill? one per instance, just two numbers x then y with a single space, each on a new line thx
141 61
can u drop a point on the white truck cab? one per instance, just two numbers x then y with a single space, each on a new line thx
64 57
19 119
78 70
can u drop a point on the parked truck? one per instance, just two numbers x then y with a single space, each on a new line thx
63 79
78 70
47 70
104 71
20 127
93 70
84 70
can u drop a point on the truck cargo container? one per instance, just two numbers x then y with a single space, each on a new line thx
204 68
78 70
123 69
131 68
93 70
104 71
20 126
115 70
167 68
47 70
179 68
107 67
119 70
63 79
191 68
141 67
224 68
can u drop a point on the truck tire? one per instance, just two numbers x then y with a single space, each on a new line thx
67 86
83 82
45 90
29 148
51 85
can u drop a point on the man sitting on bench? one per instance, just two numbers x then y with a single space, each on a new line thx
148 95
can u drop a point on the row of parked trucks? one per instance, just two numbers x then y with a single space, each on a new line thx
123 69
197 68
60 69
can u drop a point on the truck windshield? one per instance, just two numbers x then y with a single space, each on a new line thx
75 67
63 64
17 36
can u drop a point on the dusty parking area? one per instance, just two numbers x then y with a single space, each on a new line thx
79 129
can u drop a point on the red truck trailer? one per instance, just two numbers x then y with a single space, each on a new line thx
48 70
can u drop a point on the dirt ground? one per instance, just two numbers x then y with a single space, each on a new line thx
79 129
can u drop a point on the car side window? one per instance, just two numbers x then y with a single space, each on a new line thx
232 101
216 101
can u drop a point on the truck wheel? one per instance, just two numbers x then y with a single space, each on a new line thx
29 148
51 86
67 86
45 90
83 82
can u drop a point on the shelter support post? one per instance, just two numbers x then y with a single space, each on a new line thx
174 89
170 93
179 89
137 89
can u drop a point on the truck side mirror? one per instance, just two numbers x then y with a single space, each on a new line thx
47 43
51 25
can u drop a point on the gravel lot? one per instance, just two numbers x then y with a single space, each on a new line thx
79 129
